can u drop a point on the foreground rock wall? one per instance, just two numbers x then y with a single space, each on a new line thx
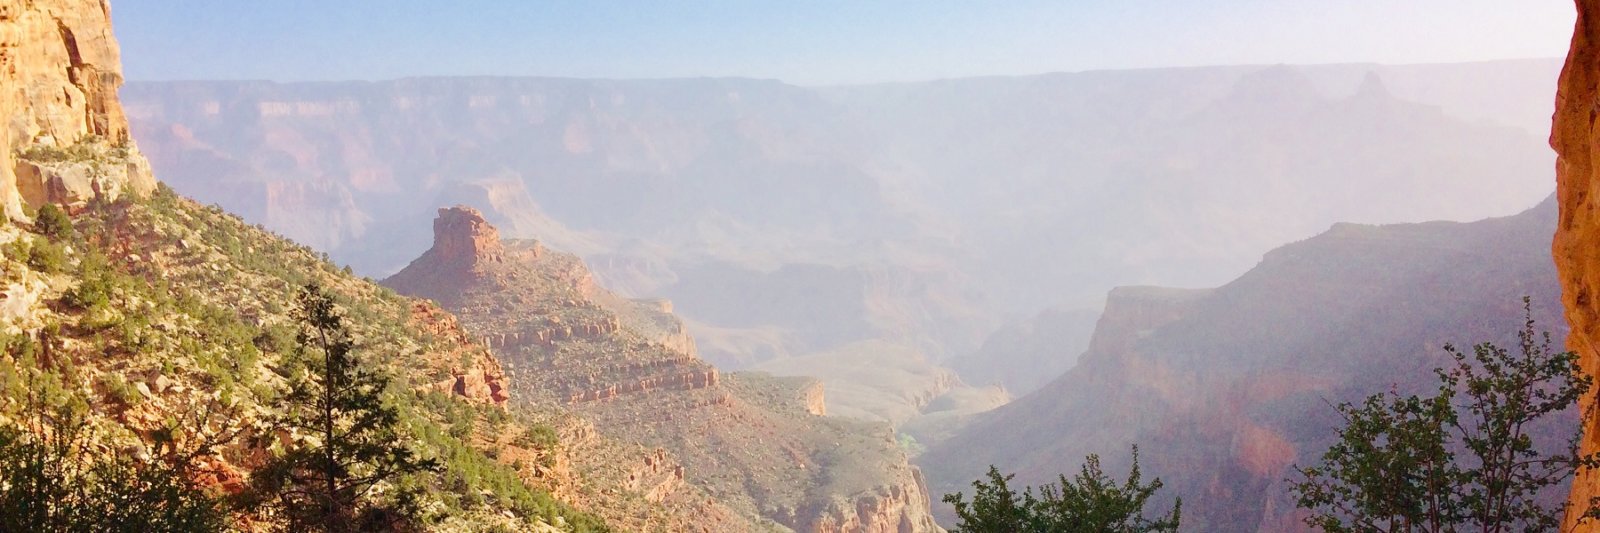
59 73
1577 240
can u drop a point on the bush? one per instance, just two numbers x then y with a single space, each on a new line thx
50 482
539 437
93 292
52 222
47 257
120 390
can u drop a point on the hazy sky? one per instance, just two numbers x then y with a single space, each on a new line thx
807 41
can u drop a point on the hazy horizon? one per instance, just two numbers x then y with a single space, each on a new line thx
835 85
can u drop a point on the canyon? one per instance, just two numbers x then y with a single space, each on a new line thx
1223 390
797 229
194 322
744 305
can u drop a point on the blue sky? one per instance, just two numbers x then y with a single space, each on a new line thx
807 42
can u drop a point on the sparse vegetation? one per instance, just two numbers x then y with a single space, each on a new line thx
40 255
52 480
212 319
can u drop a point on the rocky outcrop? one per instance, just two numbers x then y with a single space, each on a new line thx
814 398
60 68
687 379
895 509
1576 247
465 248
482 379
463 237
551 332
629 366
657 477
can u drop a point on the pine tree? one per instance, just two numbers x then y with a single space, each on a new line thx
323 484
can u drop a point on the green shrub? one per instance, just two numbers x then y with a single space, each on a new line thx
1464 458
119 389
540 437
93 292
49 481
52 222
47 257
1089 502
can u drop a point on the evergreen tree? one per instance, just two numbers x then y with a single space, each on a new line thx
53 222
324 483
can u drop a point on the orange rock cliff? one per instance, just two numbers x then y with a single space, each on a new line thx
1577 240
46 106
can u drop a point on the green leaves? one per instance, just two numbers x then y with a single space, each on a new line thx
52 479
1090 502
1463 457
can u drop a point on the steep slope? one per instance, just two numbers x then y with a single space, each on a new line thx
752 440
1577 235
1223 389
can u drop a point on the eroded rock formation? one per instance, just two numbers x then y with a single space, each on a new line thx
60 68
629 366
1576 248
481 379
462 236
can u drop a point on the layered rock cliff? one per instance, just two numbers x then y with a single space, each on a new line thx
62 130
1576 247
756 442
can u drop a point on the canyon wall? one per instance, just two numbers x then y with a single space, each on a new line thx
1223 390
1577 239
59 73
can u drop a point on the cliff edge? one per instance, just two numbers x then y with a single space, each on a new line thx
63 133
1576 248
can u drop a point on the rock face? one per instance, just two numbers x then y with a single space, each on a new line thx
60 68
462 236
756 442
1577 238
481 379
